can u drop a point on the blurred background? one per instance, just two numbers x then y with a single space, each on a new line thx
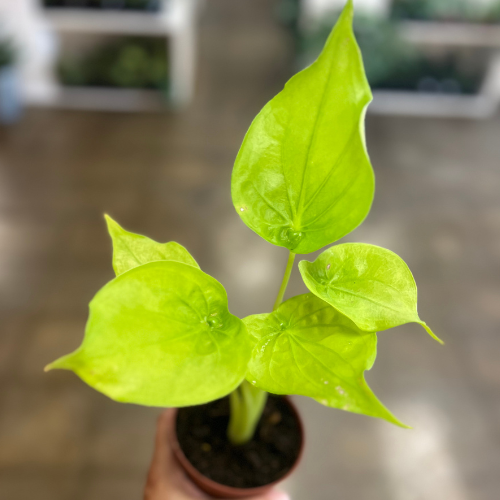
137 108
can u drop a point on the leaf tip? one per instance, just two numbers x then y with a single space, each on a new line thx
431 333
388 416
110 222
66 362
349 9
403 426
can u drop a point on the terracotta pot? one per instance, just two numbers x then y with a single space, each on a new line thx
220 490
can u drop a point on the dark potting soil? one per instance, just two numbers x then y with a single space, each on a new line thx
201 431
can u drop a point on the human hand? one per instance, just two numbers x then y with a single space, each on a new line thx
167 481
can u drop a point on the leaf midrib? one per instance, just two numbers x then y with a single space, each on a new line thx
369 299
327 369
312 140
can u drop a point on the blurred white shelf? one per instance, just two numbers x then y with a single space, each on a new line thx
89 21
451 34
480 106
175 21
402 103
431 34
110 99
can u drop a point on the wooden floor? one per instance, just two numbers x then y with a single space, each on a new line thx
168 176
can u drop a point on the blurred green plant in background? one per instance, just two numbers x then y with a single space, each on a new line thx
127 62
446 10
393 63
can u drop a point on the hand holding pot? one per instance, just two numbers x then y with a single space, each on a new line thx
167 481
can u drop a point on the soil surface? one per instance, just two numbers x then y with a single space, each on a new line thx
201 431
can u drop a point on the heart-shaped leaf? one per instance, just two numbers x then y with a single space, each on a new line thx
308 348
131 250
370 285
302 178
161 335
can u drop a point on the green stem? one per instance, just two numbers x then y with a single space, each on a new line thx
246 405
284 283
247 402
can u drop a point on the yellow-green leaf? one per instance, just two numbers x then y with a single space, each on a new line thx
370 285
161 335
302 178
131 250
308 348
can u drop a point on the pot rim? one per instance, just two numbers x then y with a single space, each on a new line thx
223 491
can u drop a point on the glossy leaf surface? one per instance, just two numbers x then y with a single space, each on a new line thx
131 250
302 178
370 285
161 335
308 348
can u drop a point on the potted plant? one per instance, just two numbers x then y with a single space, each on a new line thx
160 333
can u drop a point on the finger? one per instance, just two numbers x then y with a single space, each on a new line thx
157 478
165 474
272 495
162 453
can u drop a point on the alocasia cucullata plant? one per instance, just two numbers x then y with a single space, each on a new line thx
161 334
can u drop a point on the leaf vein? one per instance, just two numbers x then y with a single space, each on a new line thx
313 133
369 299
332 170
269 204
